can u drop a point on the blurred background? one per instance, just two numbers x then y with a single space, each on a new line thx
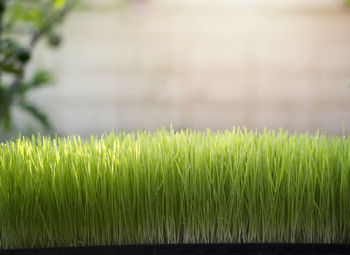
195 64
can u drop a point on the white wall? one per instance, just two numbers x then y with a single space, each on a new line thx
199 64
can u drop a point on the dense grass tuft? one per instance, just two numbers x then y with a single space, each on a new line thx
175 187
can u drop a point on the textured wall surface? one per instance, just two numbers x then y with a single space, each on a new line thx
199 64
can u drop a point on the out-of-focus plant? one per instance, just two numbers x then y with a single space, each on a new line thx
23 23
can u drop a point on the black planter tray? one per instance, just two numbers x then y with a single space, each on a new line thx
189 249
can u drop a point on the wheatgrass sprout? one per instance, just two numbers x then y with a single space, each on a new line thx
175 187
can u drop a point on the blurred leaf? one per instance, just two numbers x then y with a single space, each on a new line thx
23 55
10 69
41 78
54 40
5 112
28 13
6 121
7 47
347 3
4 43
60 3
2 92
2 5
3 102
36 113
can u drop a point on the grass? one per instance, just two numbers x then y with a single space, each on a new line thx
175 187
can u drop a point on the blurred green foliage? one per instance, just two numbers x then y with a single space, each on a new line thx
347 3
23 23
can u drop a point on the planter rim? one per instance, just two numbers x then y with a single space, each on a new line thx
190 249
